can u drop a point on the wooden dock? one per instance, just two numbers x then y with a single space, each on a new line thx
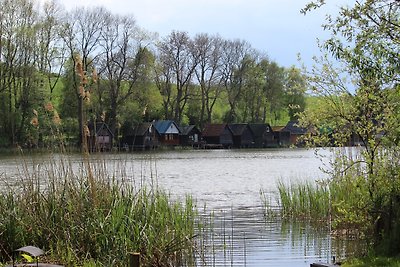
322 264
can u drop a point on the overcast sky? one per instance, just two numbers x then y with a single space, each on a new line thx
274 27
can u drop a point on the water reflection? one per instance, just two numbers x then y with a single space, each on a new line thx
243 237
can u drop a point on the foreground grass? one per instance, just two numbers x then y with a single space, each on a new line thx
373 262
89 217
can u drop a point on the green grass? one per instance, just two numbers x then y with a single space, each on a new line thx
94 218
373 262
304 200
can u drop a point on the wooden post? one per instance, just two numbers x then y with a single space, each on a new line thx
134 259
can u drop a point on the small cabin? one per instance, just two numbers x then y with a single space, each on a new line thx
295 132
242 135
168 132
263 135
100 137
217 135
190 136
141 137
281 136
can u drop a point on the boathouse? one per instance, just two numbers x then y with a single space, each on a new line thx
168 132
242 135
141 137
263 135
100 137
190 136
295 132
281 135
217 135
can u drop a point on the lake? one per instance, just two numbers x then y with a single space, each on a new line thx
226 185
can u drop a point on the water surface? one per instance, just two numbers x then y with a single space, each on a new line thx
226 186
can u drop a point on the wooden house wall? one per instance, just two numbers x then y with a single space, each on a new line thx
100 139
269 139
293 139
100 143
146 141
193 138
212 139
169 139
283 138
226 138
246 139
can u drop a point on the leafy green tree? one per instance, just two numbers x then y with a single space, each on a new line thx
19 79
274 77
365 45
254 99
295 89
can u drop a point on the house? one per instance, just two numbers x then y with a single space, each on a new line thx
168 132
242 135
295 132
100 137
217 135
190 136
281 135
263 135
142 136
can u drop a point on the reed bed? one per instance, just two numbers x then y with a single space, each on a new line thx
305 200
339 203
90 217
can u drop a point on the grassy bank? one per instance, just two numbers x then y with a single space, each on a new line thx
373 262
89 216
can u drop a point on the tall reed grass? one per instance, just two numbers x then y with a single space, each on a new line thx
338 202
305 200
90 216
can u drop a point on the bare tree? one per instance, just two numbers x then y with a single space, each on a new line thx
163 79
178 59
208 73
122 59
82 33
233 69
51 50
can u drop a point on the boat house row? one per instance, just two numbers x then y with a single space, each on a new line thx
150 135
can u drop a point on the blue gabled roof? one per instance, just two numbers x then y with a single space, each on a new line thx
163 126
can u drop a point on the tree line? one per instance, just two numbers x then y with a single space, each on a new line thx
59 70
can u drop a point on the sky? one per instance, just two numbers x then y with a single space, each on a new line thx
273 27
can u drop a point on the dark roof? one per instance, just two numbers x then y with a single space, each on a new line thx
98 126
140 129
163 125
278 128
259 129
238 128
213 129
293 128
185 130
